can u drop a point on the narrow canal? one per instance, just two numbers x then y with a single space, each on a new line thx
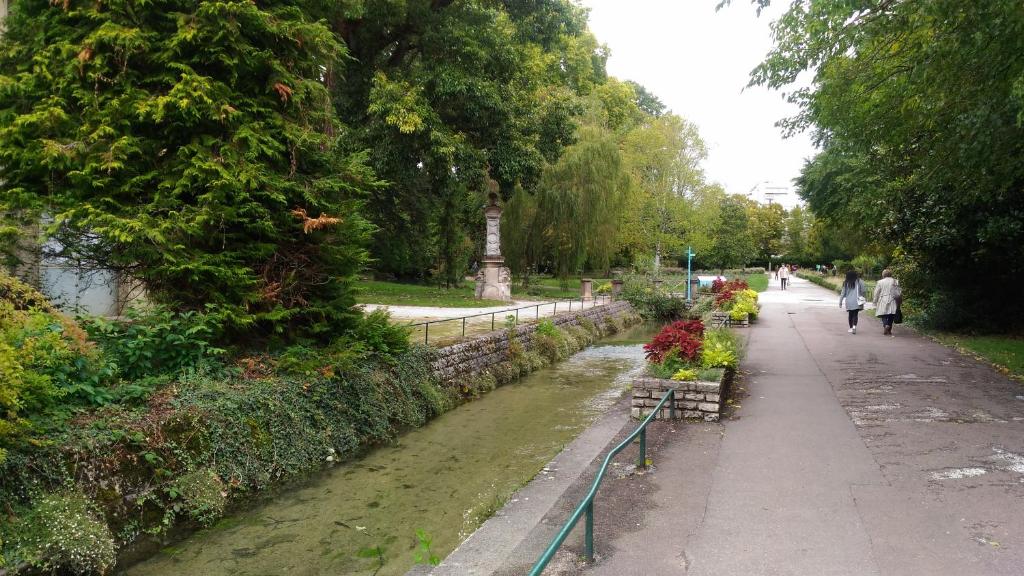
443 479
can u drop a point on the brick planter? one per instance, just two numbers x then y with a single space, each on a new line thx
693 400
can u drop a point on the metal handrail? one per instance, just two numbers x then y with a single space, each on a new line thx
426 325
587 505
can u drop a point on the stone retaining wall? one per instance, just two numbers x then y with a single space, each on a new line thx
693 399
470 358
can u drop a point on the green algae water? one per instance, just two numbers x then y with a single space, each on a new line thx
444 479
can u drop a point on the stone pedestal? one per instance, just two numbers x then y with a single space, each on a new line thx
587 289
494 281
617 288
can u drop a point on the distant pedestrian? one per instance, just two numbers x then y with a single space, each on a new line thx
784 275
852 298
887 300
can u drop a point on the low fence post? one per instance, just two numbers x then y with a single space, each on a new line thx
426 333
538 311
588 537
492 321
463 326
641 461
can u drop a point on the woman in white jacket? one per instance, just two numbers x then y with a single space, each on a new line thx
887 300
851 298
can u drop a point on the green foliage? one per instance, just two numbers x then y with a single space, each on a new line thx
46 363
546 328
423 553
918 109
732 244
720 350
442 93
61 533
670 365
685 374
650 301
201 493
663 155
155 341
376 333
193 147
579 202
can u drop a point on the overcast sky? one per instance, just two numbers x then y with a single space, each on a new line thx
698 61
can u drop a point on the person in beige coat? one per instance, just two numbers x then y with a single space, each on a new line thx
887 300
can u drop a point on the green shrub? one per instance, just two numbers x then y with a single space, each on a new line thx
61 533
549 346
720 349
710 374
649 301
685 374
46 363
156 341
376 333
547 328
669 366
202 494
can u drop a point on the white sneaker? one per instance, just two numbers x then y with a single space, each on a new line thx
850 330
853 330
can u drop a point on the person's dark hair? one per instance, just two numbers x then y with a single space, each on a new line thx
851 279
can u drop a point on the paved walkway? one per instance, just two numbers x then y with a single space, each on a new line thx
851 455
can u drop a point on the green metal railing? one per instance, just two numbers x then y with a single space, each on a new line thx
587 506
596 300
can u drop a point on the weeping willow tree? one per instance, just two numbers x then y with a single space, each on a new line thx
521 236
579 201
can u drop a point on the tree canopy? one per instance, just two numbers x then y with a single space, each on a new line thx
918 109
192 145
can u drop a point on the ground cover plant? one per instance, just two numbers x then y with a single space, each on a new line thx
126 428
1003 351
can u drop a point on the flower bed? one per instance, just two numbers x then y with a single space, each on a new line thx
697 362
735 303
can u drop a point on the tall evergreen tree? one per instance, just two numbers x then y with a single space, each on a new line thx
192 145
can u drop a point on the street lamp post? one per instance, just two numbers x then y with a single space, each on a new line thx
689 262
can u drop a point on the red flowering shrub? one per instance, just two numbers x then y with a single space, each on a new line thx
723 297
725 291
683 335
736 285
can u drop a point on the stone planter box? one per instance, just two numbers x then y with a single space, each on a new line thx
693 400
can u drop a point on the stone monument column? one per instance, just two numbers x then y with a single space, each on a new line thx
493 281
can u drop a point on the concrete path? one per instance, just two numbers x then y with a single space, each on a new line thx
852 455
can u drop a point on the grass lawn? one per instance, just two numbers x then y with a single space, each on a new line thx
546 287
758 282
399 294
1006 352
